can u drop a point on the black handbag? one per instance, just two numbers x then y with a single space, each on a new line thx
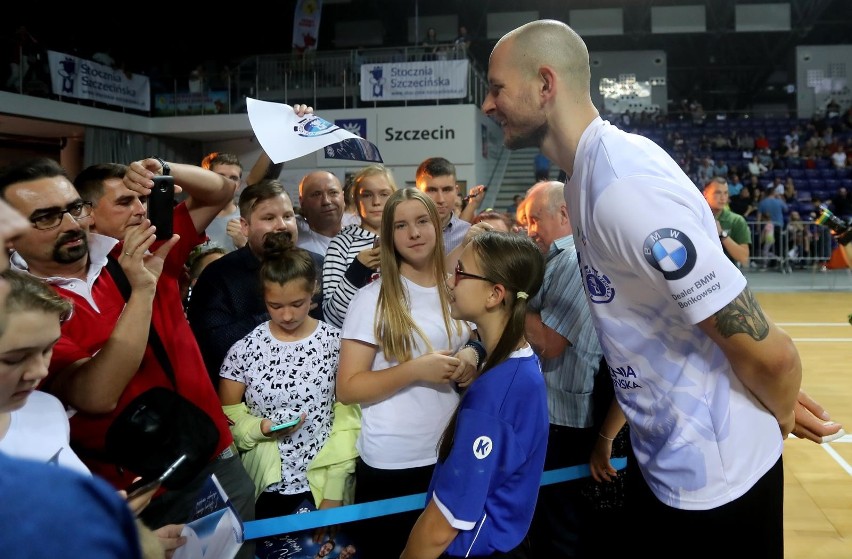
159 425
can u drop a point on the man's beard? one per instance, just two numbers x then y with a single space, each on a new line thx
531 138
69 255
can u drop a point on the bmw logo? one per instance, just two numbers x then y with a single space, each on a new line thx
671 252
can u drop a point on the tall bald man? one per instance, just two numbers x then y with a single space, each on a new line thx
707 382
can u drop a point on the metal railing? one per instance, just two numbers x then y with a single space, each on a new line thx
799 245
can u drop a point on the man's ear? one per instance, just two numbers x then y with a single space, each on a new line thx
244 227
548 82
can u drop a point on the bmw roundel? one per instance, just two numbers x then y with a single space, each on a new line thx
671 252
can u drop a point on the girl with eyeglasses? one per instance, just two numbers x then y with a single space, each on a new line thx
397 360
484 487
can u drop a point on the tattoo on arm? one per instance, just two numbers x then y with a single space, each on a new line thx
743 315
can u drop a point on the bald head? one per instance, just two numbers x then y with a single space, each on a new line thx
548 42
321 201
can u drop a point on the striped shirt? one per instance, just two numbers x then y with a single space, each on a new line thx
454 232
570 377
342 273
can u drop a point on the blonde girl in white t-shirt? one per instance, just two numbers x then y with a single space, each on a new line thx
397 359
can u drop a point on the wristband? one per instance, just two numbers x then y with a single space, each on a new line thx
480 351
601 435
166 170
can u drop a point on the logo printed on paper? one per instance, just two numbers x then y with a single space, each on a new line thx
312 126
671 252
482 447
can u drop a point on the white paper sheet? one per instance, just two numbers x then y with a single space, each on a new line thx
285 136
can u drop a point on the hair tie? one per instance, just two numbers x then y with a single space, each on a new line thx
522 295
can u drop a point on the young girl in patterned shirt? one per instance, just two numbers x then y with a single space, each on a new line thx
282 370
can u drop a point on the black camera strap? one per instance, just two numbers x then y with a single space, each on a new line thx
123 284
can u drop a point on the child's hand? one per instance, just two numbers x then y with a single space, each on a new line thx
437 367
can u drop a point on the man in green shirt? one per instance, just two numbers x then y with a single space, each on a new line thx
734 233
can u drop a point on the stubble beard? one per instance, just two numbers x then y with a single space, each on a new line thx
531 138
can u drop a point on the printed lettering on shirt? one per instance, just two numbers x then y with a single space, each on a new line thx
702 288
671 252
623 377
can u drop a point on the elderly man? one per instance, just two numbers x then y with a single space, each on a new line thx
559 328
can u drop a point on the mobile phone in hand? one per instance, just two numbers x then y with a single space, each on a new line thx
161 205
286 424
141 486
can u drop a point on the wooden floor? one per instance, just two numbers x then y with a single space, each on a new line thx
818 478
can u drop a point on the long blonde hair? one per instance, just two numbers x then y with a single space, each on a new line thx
394 326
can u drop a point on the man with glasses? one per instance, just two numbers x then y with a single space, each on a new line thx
102 361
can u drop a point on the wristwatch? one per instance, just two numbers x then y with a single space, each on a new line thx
723 235
165 166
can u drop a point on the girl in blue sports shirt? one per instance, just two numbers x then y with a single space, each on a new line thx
484 487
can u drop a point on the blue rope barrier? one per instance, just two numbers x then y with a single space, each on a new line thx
350 513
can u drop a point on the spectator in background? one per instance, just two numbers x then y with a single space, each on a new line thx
838 158
734 185
542 167
790 193
755 167
705 170
436 177
352 259
430 45
774 208
224 230
733 230
198 259
841 204
512 208
720 168
740 203
462 42
321 205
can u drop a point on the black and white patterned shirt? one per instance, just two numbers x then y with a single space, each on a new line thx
283 380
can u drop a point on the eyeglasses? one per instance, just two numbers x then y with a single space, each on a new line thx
461 274
52 219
